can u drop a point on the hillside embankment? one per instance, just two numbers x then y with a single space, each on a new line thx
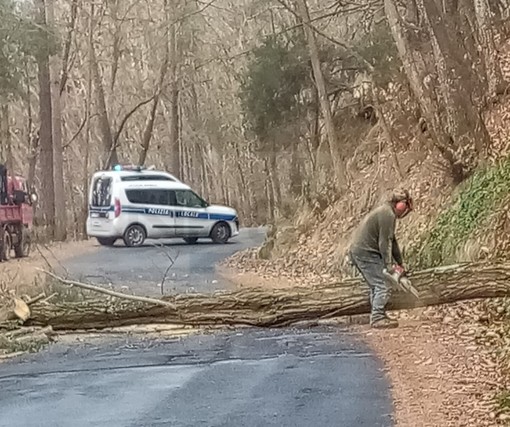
448 364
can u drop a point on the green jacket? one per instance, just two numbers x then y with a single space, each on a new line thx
376 234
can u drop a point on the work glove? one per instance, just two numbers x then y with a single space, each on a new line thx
400 269
395 270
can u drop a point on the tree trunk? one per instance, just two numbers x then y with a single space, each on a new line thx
117 40
296 173
315 131
466 129
5 138
67 45
47 196
244 192
453 120
88 105
276 307
470 37
496 83
32 137
275 176
147 133
321 88
388 131
270 196
58 157
149 127
109 146
175 146
204 182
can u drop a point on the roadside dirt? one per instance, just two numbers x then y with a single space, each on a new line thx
441 374
22 275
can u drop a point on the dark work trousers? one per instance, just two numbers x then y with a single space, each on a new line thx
371 267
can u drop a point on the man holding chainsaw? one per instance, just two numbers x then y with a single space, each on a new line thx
373 250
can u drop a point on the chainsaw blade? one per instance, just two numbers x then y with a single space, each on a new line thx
403 283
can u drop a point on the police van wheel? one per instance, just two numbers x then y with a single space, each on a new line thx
220 233
191 240
134 235
106 241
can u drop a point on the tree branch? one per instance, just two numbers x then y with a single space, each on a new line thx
126 118
346 47
108 292
82 125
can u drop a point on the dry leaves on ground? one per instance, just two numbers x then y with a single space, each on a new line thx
443 368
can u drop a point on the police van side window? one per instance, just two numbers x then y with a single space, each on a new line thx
102 191
148 197
188 199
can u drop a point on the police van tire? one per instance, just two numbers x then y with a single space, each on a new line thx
106 241
190 240
134 235
220 233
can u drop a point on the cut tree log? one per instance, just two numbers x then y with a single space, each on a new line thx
12 308
275 307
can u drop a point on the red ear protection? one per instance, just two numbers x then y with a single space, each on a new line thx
401 206
404 207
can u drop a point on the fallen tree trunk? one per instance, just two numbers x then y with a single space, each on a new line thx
275 307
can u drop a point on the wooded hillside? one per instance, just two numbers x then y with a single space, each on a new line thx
270 106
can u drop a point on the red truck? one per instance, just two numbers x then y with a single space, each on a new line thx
16 216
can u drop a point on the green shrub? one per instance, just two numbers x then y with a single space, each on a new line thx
478 196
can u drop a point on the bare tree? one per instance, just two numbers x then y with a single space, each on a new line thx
58 160
321 89
441 81
175 144
147 134
5 137
47 199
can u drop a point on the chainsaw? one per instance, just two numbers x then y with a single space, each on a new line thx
399 278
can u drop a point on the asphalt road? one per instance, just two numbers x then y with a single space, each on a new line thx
250 378
183 267
318 377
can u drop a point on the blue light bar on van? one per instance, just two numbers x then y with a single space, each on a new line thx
119 168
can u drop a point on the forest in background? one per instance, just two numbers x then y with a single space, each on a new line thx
273 106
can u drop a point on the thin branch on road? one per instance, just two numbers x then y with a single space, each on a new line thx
107 291
50 266
172 262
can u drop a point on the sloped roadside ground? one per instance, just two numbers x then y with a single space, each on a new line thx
446 367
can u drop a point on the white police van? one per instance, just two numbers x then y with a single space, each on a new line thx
133 203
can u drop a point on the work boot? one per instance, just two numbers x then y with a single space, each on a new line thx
385 323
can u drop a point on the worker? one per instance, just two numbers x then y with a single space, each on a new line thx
375 253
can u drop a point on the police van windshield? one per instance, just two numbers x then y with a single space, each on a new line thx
102 191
